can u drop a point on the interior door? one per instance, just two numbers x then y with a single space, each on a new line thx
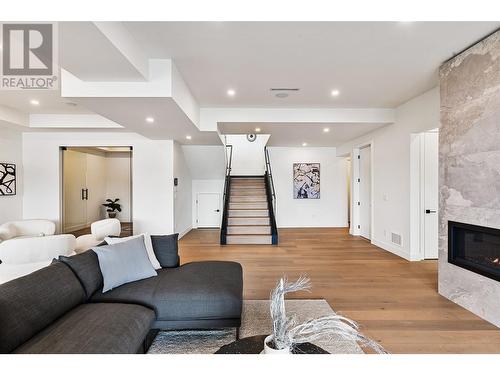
96 179
75 181
431 173
208 210
365 189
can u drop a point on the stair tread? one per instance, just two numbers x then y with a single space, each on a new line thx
249 235
248 209
239 218
249 225
250 217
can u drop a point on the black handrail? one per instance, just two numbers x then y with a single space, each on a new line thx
271 197
227 187
230 159
269 171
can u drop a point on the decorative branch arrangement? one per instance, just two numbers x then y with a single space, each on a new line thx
287 333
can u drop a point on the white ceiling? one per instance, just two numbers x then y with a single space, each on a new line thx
170 122
373 64
86 53
50 101
294 134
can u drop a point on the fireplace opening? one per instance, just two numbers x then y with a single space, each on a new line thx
475 248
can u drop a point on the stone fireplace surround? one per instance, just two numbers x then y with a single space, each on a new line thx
469 167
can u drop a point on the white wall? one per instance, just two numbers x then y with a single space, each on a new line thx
206 186
182 193
391 169
118 182
205 162
248 157
328 211
207 167
152 176
11 207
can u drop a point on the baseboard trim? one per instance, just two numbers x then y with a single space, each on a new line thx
396 250
185 231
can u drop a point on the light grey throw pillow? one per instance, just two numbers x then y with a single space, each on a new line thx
123 263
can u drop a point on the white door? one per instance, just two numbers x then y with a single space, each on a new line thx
96 185
365 189
75 183
431 195
208 210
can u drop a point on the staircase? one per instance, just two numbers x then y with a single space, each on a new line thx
248 214
249 208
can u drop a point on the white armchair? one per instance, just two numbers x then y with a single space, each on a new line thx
24 250
26 228
26 246
99 230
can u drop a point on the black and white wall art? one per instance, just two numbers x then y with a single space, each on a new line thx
306 181
7 179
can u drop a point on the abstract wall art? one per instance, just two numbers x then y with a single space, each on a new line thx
7 179
306 181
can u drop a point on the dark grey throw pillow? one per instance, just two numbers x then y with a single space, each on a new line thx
86 268
166 250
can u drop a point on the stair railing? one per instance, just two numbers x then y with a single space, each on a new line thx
227 187
271 197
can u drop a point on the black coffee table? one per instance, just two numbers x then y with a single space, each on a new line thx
255 344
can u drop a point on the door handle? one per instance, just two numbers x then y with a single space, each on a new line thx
430 211
83 194
217 210
86 194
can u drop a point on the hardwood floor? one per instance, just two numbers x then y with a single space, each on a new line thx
395 301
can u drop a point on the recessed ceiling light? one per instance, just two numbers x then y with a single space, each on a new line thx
231 92
335 92
188 137
304 144
34 102
71 104
150 120
257 130
282 95
326 130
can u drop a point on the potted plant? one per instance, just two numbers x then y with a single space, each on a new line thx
112 207
287 333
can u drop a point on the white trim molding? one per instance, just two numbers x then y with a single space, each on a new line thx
396 250
185 231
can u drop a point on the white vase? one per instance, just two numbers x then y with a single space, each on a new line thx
269 350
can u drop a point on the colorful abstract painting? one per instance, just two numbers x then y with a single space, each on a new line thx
7 179
306 181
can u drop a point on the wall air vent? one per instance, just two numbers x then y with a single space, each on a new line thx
396 239
284 89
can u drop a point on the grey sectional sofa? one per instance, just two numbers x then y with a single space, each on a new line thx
61 309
